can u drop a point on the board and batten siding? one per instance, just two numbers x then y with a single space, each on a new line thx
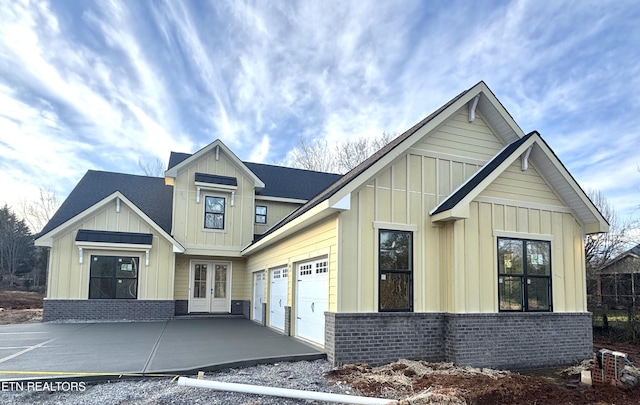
188 215
314 242
238 276
69 279
455 263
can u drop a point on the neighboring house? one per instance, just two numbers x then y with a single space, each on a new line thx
461 240
618 282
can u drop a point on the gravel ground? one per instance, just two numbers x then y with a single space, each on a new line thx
302 375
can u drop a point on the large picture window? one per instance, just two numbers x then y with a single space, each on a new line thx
214 212
395 271
524 275
113 277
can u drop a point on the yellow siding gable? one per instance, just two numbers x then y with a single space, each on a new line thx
69 279
188 214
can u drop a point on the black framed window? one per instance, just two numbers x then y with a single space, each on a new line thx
395 261
261 214
524 275
113 277
214 212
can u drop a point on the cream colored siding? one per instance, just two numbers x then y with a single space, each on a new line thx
317 241
188 217
516 184
455 263
69 279
275 212
459 137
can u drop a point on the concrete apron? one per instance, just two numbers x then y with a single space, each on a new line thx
106 351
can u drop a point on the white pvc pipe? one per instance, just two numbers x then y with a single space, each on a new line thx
282 392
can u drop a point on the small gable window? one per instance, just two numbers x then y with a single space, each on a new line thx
113 277
524 275
395 261
261 214
214 209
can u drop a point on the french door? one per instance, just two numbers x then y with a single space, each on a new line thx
210 286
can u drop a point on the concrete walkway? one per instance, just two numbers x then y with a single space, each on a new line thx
183 346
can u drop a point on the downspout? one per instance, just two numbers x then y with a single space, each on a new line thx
282 392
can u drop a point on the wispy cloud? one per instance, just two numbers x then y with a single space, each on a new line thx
97 85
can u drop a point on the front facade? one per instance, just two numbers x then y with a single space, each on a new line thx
461 240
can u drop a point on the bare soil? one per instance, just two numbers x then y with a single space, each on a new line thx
417 382
20 307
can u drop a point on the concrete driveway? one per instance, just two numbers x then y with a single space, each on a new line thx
184 346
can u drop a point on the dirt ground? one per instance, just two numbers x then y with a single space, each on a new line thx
416 382
20 307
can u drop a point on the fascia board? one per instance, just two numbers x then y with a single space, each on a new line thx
317 213
461 209
47 239
601 225
408 143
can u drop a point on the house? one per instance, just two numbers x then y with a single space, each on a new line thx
460 240
618 282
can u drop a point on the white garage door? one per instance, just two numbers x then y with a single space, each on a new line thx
258 295
312 299
278 297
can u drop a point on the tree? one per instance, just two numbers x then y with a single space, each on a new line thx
343 157
601 248
16 246
37 213
152 168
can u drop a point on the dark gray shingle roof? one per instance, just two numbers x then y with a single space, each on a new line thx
280 181
149 194
482 174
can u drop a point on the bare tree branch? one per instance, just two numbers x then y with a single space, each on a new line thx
152 168
38 212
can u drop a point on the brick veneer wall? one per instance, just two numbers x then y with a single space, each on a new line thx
377 338
518 340
182 307
238 307
503 340
287 320
108 310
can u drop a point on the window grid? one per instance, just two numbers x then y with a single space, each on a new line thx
261 214
214 212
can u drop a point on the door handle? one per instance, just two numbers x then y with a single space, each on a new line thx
280 302
313 306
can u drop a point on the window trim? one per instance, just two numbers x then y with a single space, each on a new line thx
409 272
266 210
114 277
224 214
524 275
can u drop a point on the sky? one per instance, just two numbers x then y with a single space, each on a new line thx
102 84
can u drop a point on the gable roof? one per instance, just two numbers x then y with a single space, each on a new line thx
280 181
507 130
149 194
182 160
634 252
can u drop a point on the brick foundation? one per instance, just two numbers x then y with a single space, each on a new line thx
182 307
287 320
108 310
502 340
238 307
518 340
378 338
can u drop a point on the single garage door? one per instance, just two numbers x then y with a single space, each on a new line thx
278 297
312 299
258 295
